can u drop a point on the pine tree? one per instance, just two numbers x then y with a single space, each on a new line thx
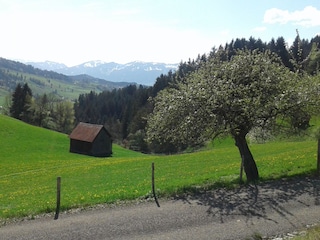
281 50
17 103
21 100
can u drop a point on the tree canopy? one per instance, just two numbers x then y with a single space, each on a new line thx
251 90
45 110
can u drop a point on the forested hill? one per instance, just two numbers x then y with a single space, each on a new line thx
42 81
125 111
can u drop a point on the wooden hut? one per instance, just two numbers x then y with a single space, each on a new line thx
91 139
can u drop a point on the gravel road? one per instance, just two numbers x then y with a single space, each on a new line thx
269 209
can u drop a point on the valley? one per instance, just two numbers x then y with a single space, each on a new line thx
44 81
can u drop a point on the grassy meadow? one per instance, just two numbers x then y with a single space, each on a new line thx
31 158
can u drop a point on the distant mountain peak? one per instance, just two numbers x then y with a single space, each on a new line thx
94 63
47 65
144 73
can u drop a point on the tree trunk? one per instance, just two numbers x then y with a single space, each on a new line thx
241 171
318 158
249 164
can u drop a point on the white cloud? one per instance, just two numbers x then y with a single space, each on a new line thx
308 17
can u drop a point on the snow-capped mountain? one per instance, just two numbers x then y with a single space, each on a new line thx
144 73
48 65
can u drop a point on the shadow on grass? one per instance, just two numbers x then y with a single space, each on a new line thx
256 200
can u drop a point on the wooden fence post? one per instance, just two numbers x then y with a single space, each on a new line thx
153 188
58 198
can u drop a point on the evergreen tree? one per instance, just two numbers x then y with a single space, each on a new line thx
21 100
27 115
282 52
17 103
272 46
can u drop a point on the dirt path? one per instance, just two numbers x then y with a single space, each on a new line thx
269 209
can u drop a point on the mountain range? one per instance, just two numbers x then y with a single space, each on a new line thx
49 82
144 73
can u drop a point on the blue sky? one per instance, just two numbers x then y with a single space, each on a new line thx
170 31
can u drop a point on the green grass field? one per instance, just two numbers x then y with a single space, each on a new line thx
31 159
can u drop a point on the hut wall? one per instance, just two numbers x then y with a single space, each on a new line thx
102 145
82 147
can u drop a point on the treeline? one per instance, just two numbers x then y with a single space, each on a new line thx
45 111
125 111
302 51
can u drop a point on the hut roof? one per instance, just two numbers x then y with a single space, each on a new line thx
86 132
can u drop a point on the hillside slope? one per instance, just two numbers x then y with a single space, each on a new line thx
42 81
27 142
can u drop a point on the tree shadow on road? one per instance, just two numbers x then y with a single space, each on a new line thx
257 200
